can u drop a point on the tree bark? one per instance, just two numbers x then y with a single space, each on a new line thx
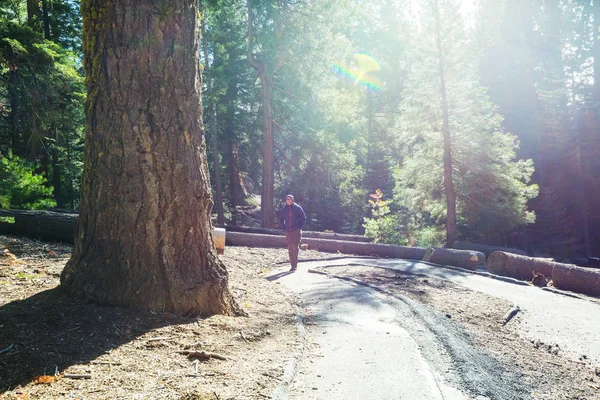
451 229
144 233
213 121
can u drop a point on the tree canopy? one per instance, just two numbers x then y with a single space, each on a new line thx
341 100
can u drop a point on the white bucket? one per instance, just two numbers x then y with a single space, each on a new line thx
219 239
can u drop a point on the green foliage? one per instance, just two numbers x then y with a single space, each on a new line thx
491 185
383 227
429 236
42 95
20 187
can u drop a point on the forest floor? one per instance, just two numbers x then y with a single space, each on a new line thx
53 347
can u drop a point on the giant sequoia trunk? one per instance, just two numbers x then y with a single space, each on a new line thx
144 235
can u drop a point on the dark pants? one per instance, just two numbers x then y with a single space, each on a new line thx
292 239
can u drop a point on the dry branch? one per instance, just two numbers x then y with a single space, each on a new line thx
77 376
202 355
509 315
7 349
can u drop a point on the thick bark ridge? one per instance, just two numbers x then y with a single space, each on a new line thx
144 235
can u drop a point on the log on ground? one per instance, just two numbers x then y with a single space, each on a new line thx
518 266
306 234
44 225
60 226
325 245
466 259
486 249
576 279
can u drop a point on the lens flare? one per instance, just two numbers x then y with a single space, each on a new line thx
361 72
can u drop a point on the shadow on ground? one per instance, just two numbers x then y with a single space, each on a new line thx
50 332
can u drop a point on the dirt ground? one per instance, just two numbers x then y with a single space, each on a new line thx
87 351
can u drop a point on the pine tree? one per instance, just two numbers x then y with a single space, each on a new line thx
491 187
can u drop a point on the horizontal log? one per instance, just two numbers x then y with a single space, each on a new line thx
486 249
44 225
576 279
307 234
50 225
467 259
518 266
326 245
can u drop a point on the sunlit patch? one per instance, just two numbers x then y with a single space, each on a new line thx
361 72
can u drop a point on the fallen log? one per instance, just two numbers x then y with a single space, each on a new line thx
332 246
307 234
486 249
467 259
576 279
44 225
60 226
518 266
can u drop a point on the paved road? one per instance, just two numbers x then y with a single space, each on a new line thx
357 349
552 318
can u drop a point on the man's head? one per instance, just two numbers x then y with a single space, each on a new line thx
289 199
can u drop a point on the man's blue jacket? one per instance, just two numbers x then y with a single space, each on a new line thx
292 217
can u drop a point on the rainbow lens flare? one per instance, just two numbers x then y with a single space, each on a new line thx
361 73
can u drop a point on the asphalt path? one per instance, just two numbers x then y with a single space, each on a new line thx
552 318
363 344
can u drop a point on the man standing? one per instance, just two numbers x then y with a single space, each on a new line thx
292 220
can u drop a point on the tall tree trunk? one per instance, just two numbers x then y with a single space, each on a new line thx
266 75
56 179
213 122
451 230
33 13
144 232
268 176
13 99
46 19
596 50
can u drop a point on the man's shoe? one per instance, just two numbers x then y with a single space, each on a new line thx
293 269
